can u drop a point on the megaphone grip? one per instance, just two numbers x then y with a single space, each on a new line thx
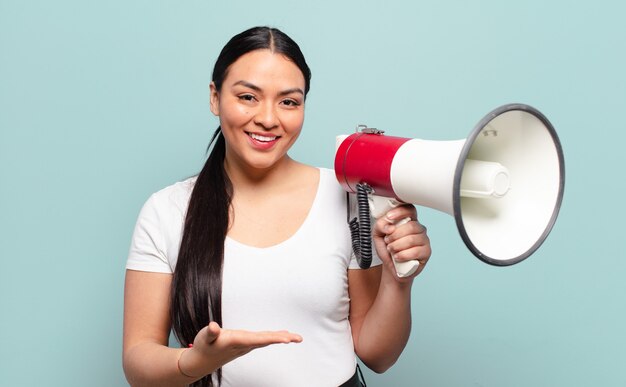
379 206
405 269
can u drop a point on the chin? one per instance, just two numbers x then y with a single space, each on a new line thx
263 163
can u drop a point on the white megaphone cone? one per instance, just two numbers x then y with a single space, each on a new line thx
503 184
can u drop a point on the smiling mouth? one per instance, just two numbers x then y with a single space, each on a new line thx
261 138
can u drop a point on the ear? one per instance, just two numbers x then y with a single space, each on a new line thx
214 99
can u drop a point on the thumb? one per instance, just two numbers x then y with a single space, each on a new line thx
213 331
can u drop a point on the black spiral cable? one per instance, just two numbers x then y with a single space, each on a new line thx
361 229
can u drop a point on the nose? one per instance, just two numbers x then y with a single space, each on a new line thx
266 116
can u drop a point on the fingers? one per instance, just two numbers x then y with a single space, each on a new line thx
410 229
401 212
405 239
242 337
409 242
262 339
420 253
394 218
248 339
272 337
240 342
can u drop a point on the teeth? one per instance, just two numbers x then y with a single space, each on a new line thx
261 138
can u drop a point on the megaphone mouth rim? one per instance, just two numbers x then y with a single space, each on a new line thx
456 192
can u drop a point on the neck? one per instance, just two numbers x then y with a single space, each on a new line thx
246 177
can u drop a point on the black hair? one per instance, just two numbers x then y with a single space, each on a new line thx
196 293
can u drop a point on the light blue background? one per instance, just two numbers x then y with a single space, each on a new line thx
103 103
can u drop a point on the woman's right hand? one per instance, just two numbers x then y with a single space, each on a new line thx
213 347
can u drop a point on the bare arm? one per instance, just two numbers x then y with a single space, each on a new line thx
147 359
380 301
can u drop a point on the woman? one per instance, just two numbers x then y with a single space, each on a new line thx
255 252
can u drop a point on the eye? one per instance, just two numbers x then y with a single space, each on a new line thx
246 97
291 102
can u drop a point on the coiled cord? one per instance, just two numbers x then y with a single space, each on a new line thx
361 229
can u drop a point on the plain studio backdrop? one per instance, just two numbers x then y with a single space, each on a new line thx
103 103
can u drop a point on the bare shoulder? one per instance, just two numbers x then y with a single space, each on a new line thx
304 175
307 170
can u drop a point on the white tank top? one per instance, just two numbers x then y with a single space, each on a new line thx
299 285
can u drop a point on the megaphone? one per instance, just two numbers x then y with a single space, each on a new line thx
503 184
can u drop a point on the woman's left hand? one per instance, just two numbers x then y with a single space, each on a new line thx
404 242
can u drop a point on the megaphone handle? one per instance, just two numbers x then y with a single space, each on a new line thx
406 268
379 206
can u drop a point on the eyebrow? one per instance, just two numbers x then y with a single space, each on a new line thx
257 88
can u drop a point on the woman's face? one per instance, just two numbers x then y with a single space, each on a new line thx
261 109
